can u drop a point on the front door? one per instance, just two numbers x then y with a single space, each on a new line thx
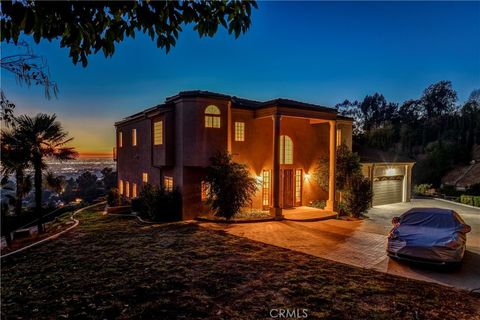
287 188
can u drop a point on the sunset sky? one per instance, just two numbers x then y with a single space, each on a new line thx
313 51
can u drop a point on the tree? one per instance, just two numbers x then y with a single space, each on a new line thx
109 178
15 160
348 165
231 185
88 27
358 195
45 138
54 183
438 99
87 185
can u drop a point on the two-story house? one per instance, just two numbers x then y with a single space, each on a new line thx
281 142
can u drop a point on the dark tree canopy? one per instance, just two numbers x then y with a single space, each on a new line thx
439 99
86 27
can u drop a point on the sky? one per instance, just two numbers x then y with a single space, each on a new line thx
317 52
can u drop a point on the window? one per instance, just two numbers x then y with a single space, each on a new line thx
168 183
239 131
120 186
120 139
134 190
127 189
339 137
145 177
286 150
212 117
266 188
205 190
134 137
158 132
298 185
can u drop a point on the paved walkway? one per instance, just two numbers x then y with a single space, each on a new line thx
362 243
307 214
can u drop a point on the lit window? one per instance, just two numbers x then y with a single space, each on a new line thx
120 186
239 131
298 185
286 150
120 139
266 188
158 133
145 177
134 137
212 117
127 189
339 137
134 190
168 183
205 190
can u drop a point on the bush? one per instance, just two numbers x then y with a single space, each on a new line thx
114 198
157 204
423 189
231 185
320 204
358 196
470 200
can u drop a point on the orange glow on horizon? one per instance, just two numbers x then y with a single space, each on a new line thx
83 155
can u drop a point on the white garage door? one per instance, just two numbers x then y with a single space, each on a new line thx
389 190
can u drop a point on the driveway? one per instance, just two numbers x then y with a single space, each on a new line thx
362 243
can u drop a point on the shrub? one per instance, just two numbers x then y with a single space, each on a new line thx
157 204
114 198
320 204
470 200
423 189
231 185
358 196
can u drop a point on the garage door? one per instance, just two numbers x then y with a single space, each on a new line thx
387 190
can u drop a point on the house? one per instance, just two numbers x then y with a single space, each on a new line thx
390 174
279 140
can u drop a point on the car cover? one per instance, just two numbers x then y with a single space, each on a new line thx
424 232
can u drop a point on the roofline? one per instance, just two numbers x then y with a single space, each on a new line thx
143 114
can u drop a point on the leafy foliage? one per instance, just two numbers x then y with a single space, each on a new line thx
157 204
109 178
423 189
88 27
87 184
348 165
357 197
43 137
231 185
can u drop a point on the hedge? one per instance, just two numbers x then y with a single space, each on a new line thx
470 200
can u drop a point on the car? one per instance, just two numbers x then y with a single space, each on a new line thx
428 235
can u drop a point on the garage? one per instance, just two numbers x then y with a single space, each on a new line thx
387 190
390 174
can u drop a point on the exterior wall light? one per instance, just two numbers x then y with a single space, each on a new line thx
390 172
306 176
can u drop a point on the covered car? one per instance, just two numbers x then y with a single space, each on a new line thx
430 235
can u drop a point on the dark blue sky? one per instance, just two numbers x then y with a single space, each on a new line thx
320 52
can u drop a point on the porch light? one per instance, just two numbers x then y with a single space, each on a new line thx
259 179
306 176
390 172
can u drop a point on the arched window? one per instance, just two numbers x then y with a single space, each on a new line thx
212 117
286 150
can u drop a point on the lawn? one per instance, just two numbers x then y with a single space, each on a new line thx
111 267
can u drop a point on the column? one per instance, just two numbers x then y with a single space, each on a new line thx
332 163
275 209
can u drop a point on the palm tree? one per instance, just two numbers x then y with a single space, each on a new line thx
15 159
45 138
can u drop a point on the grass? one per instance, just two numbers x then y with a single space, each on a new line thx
111 267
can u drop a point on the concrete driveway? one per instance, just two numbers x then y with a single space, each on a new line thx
362 243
